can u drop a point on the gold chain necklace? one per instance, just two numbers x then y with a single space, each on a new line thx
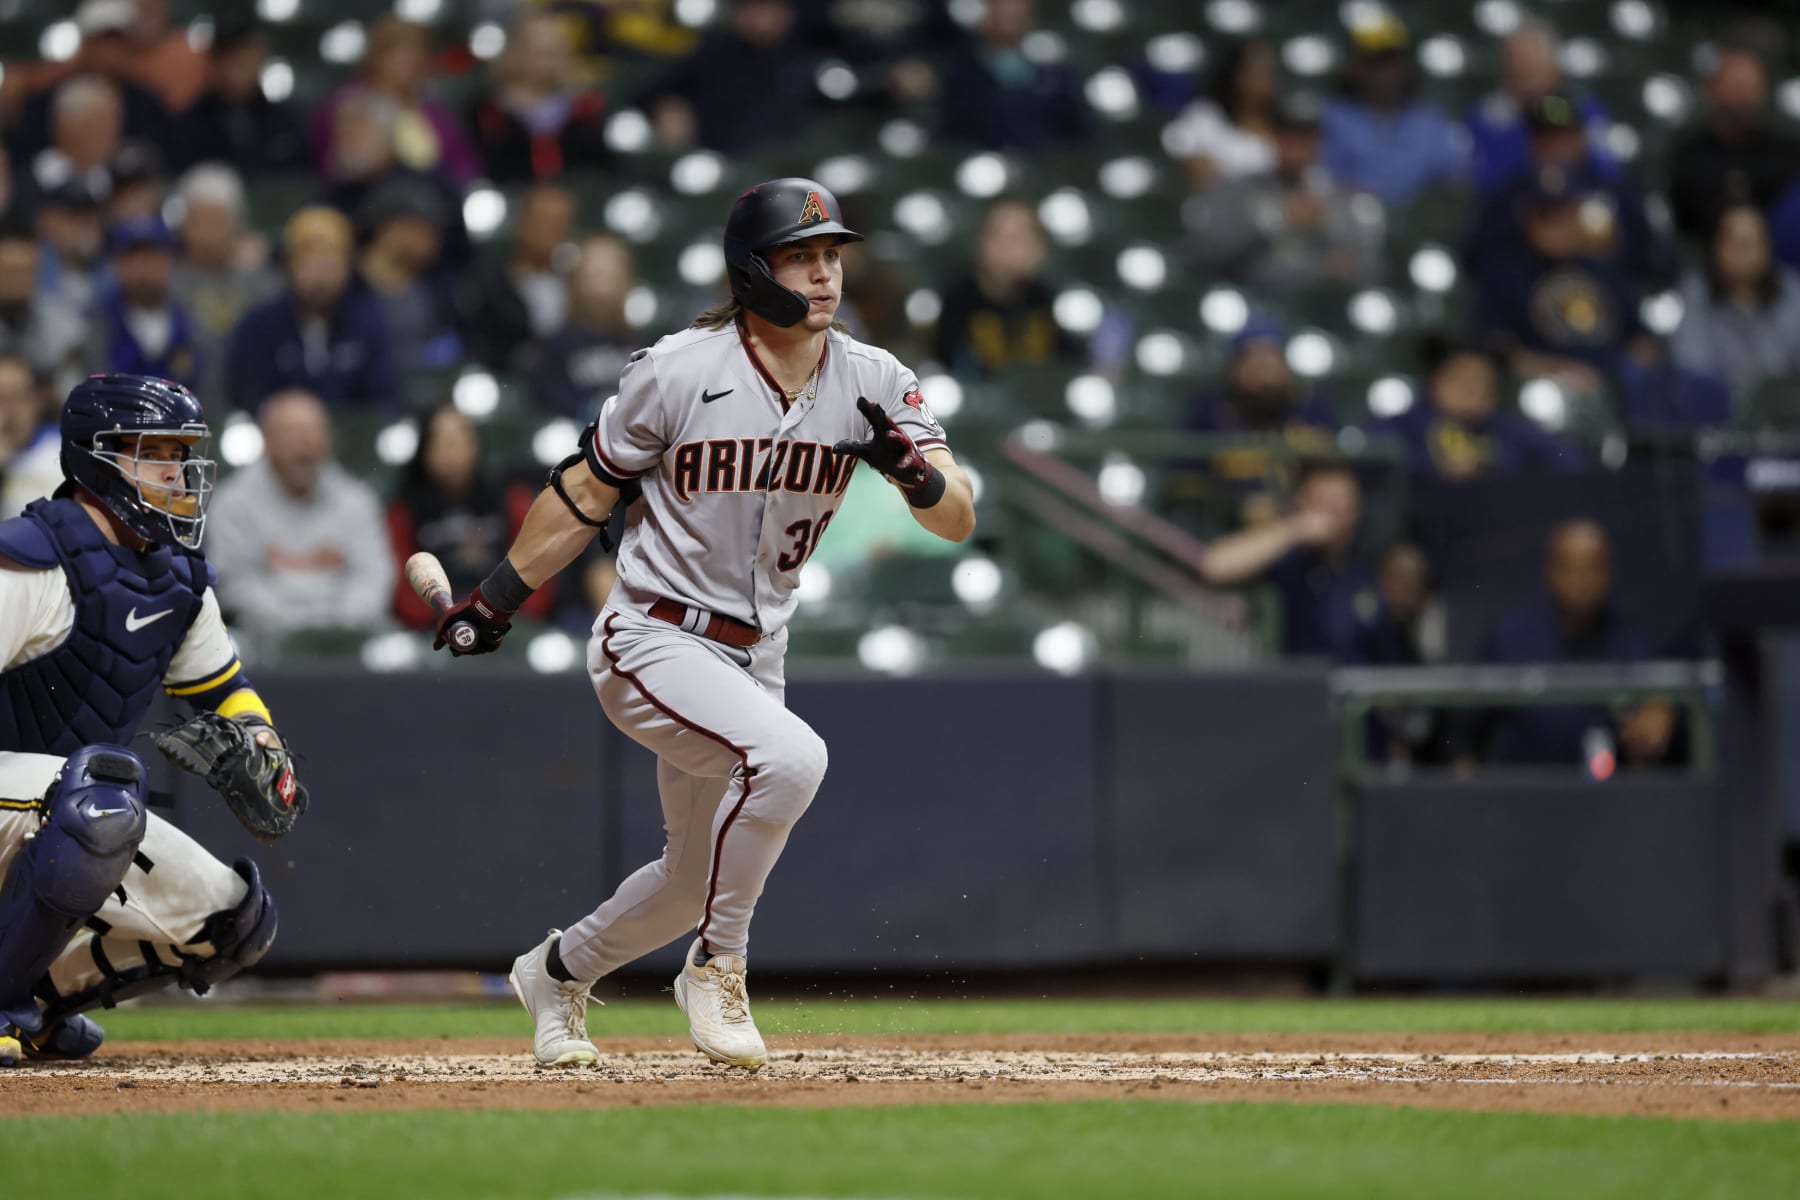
808 388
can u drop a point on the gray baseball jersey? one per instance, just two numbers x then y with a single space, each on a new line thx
739 483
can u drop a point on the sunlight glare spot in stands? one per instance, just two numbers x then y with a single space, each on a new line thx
277 80
1310 354
200 34
976 582
923 307
1433 269
1373 311
277 10
1308 54
343 42
1662 312
1666 96
835 80
845 174
1064 648
1623 141
702 264
421 12
695 13
552 652
1044 47
484 211
1583 58
1078 310
1160 353
1092 399
697 173
968 13
891 648
1787 96
1224 310
1127 178
640 305
1233 16
1174 53
477 394
1359 14
1121 481
486 41
634 214
59 42
1097 16
981 176
240 442
1633 19
1040 436
924 216
943 395
1443 56
976 483
902 139
1543 401
814 586
1352 441
1065 215
388 652
554 441
1143 268
1497 18
1389 396
628 131
1112 93
396 443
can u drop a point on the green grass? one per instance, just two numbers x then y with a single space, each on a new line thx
1026 1150
826 1016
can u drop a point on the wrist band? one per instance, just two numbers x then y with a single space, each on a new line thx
504 591
929 492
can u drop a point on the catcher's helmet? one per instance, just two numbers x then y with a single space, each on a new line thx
774 214
101 423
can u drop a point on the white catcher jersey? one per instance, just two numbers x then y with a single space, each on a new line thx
739 484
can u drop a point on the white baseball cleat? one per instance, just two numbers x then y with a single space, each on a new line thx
558 1008
718 1010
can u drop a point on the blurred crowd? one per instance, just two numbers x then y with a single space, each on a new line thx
127 244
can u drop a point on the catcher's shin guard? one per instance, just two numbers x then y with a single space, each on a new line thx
239 936
94 820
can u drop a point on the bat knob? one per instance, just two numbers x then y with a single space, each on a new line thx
463 634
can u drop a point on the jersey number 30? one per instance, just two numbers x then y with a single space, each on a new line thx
806 535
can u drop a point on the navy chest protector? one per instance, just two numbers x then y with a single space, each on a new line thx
132 609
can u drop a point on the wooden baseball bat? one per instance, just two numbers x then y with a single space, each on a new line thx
425 574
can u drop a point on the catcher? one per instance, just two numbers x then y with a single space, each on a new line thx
104 597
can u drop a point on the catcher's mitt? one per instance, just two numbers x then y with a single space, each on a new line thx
256 781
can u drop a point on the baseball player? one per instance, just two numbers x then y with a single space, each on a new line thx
738 437
104 597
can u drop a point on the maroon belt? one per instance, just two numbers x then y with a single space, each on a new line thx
718 629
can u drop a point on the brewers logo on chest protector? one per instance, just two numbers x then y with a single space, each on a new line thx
739 484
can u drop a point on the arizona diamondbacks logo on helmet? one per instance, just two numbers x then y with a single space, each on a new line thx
814 210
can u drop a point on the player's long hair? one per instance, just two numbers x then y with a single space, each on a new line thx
731 312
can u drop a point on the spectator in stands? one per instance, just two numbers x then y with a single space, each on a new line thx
1290 226
221 272
42 329
141 330
1229 132
1529 72
1557 312
365 157
1405 628
396 67
30 443
72 234
449 505
137 183
1573 621
233 121
85 138
511 303
747 85
1379 137
538 120
298 542
106 53
580 364
324 332
999 313
1740 311
8 193
1309 556
1459 432
996 97
1737 156
401 224
163 57
1614 218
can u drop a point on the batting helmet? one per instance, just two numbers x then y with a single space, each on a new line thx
774 214
101 424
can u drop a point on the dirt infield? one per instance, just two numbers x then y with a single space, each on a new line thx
1717 1076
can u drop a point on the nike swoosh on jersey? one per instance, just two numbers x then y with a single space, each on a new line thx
133 622
707 397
